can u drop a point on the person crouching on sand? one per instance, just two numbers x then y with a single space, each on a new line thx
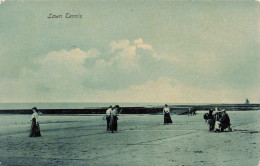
35 127
224 121
108 116
113 120
167 116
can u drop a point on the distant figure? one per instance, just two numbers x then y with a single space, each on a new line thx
113 120
189 113
108 116
167 116
224 122
192 111
35 127
247 101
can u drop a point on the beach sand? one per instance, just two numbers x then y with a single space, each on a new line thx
141 140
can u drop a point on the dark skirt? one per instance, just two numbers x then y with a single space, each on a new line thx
108 122
113 123
167 118
211 123
35 129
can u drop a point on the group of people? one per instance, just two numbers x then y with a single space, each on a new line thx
219 121
192 112
112 117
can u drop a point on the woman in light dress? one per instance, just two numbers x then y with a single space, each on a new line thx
35 127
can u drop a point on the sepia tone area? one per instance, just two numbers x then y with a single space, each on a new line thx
141 140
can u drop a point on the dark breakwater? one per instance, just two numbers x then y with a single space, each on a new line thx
180 109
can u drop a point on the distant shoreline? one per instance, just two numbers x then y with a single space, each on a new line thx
175 109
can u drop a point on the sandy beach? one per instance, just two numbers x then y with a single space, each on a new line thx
141 140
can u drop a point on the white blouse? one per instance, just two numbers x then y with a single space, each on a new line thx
108 112
36 116
114 112
166 110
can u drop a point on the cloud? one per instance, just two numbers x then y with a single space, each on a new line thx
126 56
74 56
128 72
139 43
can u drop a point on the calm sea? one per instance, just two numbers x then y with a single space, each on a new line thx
79 105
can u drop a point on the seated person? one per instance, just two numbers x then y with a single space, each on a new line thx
224 121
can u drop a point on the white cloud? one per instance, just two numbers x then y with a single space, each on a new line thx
121 44
126 58
139 43
79 76
74 56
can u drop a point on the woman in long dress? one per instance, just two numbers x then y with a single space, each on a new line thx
113 120
35 127
167 116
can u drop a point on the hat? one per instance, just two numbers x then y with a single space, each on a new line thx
35 108
166 105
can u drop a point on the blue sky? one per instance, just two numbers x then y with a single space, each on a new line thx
130 51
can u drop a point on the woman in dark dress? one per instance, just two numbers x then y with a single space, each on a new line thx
167 116
113 120
35 127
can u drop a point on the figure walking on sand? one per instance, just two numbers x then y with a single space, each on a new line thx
108 116
167 116
113 120
35 127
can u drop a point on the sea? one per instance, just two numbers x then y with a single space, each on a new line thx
10 106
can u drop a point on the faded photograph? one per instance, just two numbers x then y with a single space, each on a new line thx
129 83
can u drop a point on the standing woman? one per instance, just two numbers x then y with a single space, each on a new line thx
108 116
113 120
167 116
35 127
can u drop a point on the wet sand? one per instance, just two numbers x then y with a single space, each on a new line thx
141 140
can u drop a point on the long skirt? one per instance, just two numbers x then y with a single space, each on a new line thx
211 123
108 122
35 129
224 125
167 118
217 126
113 123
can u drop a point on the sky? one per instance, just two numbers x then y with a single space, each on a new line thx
130 51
